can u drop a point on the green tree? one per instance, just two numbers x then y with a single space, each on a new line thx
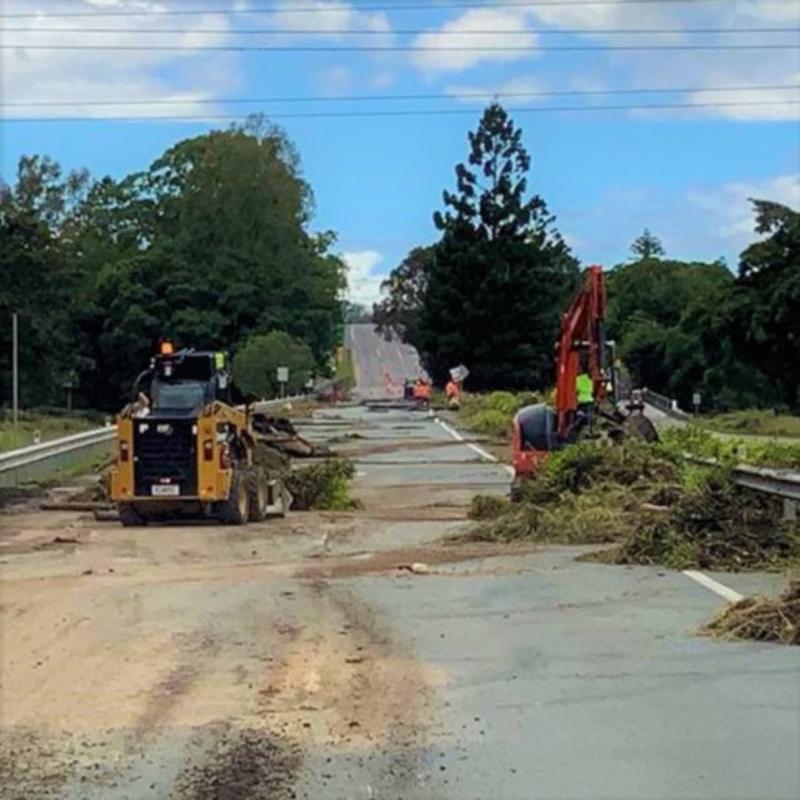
39 280
399 313
767 302
208 246
673 325
500 274
647 246
255 367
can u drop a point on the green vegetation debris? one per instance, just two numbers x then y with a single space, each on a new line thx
486 506
322 487
763 619
716 525
654 507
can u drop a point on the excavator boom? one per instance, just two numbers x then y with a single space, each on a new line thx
582 331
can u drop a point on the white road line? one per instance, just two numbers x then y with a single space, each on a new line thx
476 448
714 586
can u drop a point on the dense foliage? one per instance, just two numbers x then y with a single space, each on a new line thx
208 246
685 327
489 293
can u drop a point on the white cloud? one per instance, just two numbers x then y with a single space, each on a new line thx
786 102
772 10
363 280
112 75
729 213
704 70
332 16
463 31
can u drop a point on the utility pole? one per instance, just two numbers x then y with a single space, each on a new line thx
15 366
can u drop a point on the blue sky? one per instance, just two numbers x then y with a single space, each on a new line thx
685 173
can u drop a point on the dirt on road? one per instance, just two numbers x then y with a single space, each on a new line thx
201 661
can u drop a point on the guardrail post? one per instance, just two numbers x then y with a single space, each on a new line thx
789 510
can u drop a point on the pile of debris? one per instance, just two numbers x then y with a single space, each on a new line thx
280 434
715 525
763 619
642 498
322 486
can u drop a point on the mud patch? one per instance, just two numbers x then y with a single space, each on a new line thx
398 560
244 764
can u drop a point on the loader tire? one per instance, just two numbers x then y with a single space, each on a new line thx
130 517
236 509
258 494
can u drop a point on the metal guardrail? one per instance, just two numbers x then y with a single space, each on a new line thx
665 404
40 461
779 482
783 483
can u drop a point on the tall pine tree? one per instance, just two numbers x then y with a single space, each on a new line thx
500 274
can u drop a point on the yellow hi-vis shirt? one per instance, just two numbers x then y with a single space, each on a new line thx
584 386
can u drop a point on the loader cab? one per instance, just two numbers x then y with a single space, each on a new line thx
185 382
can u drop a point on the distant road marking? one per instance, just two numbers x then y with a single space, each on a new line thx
714 586
475 447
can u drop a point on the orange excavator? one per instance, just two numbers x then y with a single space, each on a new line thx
582 347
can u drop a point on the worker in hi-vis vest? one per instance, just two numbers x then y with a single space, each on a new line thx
584 390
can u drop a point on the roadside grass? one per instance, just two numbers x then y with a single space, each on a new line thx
49 427
754 423
702 443
88 465
491 414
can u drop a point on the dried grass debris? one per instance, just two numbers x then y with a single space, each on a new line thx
762 619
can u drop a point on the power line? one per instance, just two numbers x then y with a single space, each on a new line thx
395 97
268 48
404 112
375 7
403 32
409 32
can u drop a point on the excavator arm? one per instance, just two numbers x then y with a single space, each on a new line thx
582 331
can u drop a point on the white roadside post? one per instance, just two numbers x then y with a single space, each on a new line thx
283 379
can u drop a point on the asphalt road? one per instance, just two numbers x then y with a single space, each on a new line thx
340 656
381 366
